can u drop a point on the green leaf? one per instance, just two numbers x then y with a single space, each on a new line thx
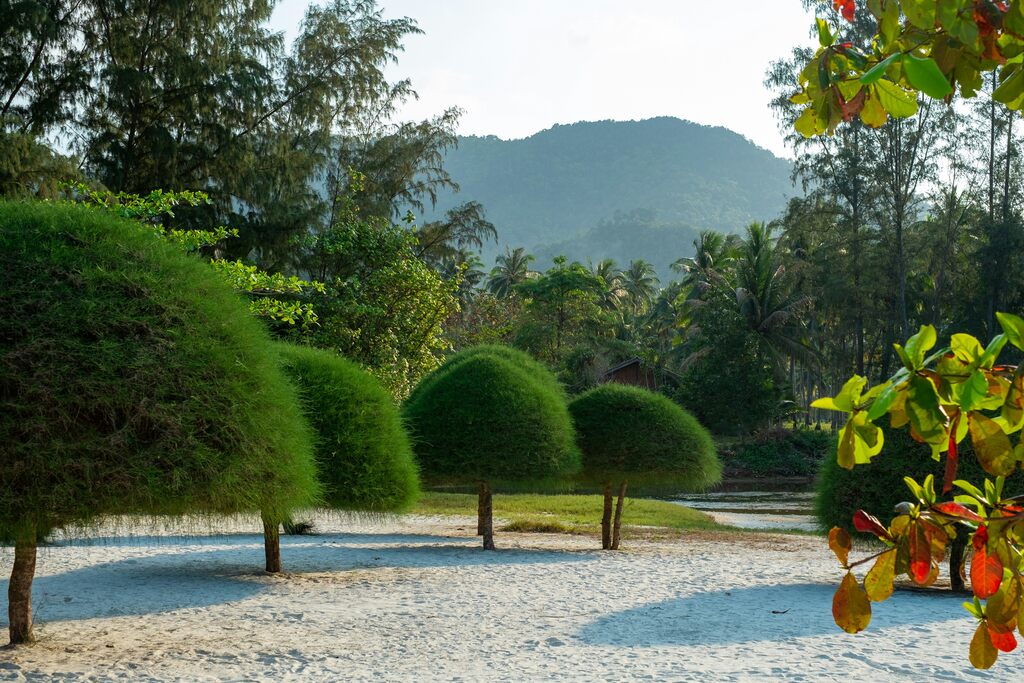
1013 328
991 445
898 102
920 13
973 392
925 413
925 75
1011 89
824 33
878 70
966 347
881 405
920 344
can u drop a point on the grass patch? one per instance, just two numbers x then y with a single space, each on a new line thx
531 512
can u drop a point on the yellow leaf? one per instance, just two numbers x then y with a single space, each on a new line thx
840 543
1002 608
850 606
983 652
878 582
991 445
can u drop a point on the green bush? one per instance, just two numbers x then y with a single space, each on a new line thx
132 380
520 359
363 453
485 415
635 435
878 486
780 453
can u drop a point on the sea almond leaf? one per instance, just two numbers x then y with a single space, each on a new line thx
920 554
851 608
879 580
1002 637
951 509
841 544
983 651
869 524
986 573
1003 607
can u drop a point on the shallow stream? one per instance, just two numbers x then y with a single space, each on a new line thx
756 504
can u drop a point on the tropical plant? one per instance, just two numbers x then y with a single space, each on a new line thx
132 380
631 434
640 283
489 418
512 268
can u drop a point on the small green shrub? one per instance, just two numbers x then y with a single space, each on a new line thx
780 453
133 380
878 486
627 433
363 453
485 415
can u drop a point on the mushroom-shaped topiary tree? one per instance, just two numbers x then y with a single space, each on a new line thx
363 453
132 380
520 359
628 434
483 418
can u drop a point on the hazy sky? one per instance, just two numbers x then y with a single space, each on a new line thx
520 66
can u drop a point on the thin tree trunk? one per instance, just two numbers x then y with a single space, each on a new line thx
956 560
272 545
606 519
480 515
485 516
19 592
617 530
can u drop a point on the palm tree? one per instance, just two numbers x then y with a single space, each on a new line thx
610 273
713 253
640 282
511 269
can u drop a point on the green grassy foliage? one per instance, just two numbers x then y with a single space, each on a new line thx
632 434
878 486
132 379
485 417
520 359
567 513
364 455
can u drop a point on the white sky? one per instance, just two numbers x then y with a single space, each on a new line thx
520 66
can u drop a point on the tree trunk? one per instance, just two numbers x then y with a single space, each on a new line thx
956 560
485 516
19 592
606 519
272 545
480 515
617 529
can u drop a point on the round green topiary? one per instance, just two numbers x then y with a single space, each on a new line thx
878 486
363 452
520 359
484 417
632 434
133 380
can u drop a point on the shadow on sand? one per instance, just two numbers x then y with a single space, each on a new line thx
758 613
178 576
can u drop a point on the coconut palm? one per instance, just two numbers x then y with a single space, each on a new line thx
640 282
511 269
608 270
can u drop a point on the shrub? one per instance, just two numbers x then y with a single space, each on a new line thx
878 486
780 453
631 434
363 453
485 418
132 380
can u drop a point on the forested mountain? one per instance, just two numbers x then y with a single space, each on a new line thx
555 188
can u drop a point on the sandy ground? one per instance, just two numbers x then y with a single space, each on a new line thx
416 599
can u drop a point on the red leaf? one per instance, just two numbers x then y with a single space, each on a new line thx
951 459
957 510
986 573
1002 637
980 539
847 7
920 554
869 524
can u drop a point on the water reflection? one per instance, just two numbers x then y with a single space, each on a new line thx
781 505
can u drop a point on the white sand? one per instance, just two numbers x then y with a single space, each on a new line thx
416 599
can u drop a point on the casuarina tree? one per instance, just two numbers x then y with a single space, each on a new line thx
628 434
132 380
485 418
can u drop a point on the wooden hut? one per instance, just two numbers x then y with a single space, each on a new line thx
632 372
